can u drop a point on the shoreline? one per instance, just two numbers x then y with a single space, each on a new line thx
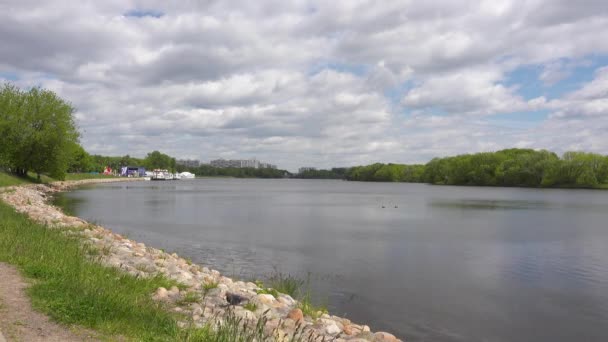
201 298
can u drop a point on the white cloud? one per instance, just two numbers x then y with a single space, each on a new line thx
313 82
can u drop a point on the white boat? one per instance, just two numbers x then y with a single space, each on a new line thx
159 174
186 175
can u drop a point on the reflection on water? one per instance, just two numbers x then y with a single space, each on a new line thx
491 204
428 263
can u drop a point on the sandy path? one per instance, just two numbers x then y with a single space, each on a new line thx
19 322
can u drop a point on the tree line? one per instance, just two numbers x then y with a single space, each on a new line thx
520 167
84 162
510 167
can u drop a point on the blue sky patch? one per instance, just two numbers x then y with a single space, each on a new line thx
529 85
140 13
9 75
355 69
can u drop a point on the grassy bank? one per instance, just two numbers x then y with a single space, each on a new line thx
73 290
7 179
70 286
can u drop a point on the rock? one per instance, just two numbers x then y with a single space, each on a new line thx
265 298
285 299
296 315
289 324
183 277
366 328
332 329
161 294
348 330
245 314
382 336
234 299
173 292
366 336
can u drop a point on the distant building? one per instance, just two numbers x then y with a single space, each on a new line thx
188 162
241 163
304 169
132 171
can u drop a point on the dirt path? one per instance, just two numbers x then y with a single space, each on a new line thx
19 322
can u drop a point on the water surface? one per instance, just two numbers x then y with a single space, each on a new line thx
428 263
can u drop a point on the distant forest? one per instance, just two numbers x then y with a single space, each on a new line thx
511 167
158 160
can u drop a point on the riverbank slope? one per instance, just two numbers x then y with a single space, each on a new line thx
201 296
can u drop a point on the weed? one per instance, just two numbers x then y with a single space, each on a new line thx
269 291
309 308
189 298
287 284
250 306
209 286
143 268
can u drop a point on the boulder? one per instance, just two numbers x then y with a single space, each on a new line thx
296 315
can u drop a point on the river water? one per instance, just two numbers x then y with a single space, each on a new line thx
427 263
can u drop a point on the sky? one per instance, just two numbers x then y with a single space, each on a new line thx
318 83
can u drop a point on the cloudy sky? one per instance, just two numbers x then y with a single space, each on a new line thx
319 83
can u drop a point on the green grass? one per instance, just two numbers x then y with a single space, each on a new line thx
250 306
74 290
7 179
209 286
189 298
81 176
287 284
309 308
269 291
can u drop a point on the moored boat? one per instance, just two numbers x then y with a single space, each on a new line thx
159 174
186 175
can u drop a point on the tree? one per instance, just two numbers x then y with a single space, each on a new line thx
157 160
11 107
80 161
39 130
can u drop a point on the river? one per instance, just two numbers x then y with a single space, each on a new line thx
427 263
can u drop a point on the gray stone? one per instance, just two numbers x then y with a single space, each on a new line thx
332 329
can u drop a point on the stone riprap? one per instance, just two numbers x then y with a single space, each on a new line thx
206 296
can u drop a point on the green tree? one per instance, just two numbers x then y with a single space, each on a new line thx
157 160
39 130
12 102
81 161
